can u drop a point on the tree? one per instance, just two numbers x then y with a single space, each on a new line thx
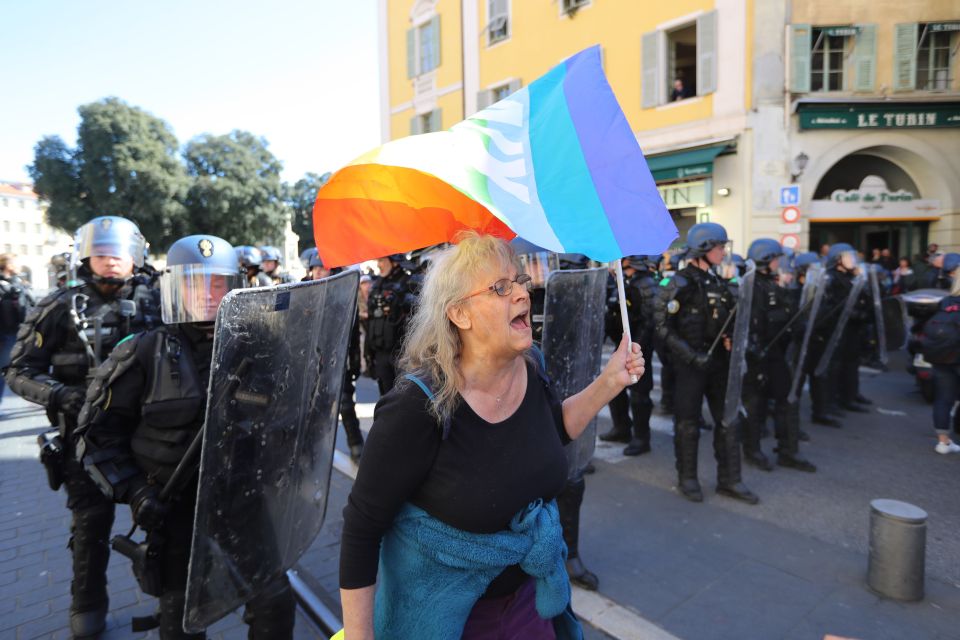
125 164
300 197
236 191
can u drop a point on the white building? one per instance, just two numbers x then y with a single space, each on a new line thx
24 231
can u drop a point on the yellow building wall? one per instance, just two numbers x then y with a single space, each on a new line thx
448 73
886 14
540 38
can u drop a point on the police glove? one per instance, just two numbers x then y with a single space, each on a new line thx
701 361
148 510
69 399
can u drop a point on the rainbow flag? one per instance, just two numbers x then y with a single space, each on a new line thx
555 163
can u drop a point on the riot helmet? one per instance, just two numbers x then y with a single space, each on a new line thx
804 260
306 255
270 253
842 254
643 262
951 262
764 251
248 256
703 237
200 270
107 236
573 261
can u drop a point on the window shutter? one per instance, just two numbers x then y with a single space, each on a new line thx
435 38
865 58
905 56
707 53
514 85
498 9
800 45
411 53
650 70
484 99
415 125
436 122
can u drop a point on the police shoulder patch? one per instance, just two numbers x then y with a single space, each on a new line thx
38 339
673 306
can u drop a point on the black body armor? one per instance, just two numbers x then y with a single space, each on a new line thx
691 310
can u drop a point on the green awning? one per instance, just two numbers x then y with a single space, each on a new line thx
685 164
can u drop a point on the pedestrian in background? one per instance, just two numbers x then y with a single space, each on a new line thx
15 300
904 278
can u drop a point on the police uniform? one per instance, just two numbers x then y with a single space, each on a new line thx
146 405
50 365
845 363
388 305
690 313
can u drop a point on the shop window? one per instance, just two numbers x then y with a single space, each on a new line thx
832 58
679 63
498 27
423 48
933 60
426 122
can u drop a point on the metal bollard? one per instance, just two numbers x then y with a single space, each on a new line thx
898 545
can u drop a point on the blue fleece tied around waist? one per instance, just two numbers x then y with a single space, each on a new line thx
432 574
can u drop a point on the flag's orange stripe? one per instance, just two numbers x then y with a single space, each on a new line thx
370 210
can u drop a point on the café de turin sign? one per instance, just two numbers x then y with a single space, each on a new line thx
873 201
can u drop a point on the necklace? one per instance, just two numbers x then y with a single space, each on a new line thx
507 389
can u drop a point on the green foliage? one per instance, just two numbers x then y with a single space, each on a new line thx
236 191
300 197
126 164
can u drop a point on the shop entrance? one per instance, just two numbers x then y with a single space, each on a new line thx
902 238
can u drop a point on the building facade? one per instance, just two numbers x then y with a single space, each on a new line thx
734 102
25 232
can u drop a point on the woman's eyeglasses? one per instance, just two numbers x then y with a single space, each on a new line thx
503 286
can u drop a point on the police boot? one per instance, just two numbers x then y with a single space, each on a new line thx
685 445
862 399
270 615
640 443
620 414
171 617
751 425
826 421
569 502
788 451
727 452
91 553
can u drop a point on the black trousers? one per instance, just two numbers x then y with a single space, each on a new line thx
348 411
384 370
767 379
693 385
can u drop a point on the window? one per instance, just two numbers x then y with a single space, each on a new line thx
933 60
22 227
498 25
38 250
38 228
679 63
495 94
828 56
426 122
423 48
7 248
6 202
6 225
23 249
571 6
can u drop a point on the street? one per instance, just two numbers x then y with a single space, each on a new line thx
791 567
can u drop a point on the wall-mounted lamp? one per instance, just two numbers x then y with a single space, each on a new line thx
799 164
723 191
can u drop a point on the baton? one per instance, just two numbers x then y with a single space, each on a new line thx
763 352
726 322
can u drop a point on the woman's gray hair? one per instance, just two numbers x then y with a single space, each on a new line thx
432 345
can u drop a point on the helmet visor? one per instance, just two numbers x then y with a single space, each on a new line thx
192 293
848 259
94 240
539 265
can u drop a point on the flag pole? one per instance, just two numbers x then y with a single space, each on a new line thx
623 311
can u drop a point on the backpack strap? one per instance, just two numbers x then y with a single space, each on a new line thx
425 383
540 362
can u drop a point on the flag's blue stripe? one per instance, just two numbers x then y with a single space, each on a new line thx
634 209
564 185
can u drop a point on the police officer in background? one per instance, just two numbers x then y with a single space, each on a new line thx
691 312
348 407
667 377
60 342
251 261
146 405
768 375
271 263
640 286
844 371
388 306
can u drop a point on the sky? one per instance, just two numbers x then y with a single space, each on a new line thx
303 74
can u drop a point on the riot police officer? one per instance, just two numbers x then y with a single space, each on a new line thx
61 341
270 265
841 265
667 377
691 311
251 261
388 306
768 376
146 405
640 287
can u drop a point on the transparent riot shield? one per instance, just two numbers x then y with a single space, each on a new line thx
874 279
574 307
738 346
858 283
811 299
278 365
895 322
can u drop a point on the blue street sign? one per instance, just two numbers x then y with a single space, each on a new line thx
789 195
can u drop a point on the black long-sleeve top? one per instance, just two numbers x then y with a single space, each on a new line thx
476 480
